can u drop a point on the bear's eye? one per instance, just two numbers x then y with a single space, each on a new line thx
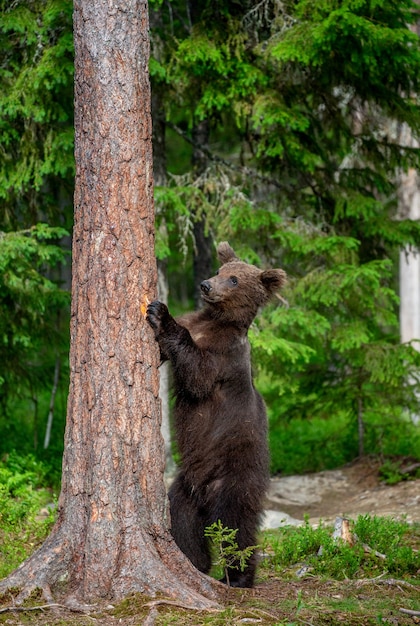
233 280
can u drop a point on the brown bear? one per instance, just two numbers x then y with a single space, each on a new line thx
220 419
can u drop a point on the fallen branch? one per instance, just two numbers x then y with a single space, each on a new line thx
370 550
264 613
409 469
410 612
382 581
40 607
180 605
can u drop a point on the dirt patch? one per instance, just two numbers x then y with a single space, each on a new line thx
349 491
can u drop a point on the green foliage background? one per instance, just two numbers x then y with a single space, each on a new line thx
306 106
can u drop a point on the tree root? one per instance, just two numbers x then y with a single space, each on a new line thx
50 573
181 605
40 607
151 618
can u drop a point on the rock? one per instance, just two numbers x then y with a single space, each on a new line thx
275 519
352 490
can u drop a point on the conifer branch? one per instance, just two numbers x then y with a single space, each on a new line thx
243 170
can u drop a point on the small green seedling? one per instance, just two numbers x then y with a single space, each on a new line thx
227 554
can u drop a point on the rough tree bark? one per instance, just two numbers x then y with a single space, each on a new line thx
112 537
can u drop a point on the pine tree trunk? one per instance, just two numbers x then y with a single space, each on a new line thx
112 537
409 208
160 177
203 248
50 417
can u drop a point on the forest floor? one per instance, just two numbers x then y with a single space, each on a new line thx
283 599
350 491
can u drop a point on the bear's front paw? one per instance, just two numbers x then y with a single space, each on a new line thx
157 315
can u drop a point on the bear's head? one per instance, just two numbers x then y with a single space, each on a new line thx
239 289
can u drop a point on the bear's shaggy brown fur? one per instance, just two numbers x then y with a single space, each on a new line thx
220 419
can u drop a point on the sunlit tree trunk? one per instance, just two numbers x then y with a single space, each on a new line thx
203 243
50 417
112 537
160 177
409 208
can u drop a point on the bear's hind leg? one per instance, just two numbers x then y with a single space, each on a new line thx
187 525
235 576
234 511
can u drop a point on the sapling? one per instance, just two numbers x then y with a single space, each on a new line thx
227 554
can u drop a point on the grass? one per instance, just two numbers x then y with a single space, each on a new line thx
23 496
283 603
305 575
341 584
292 548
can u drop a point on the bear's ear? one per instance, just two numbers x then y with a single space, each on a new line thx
273 280
225 253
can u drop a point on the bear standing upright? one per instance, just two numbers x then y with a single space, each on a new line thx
220 419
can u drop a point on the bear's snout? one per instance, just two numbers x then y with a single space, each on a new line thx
205 286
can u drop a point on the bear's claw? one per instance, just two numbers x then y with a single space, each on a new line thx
157 312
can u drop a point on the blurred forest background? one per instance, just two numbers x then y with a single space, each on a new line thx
288 128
